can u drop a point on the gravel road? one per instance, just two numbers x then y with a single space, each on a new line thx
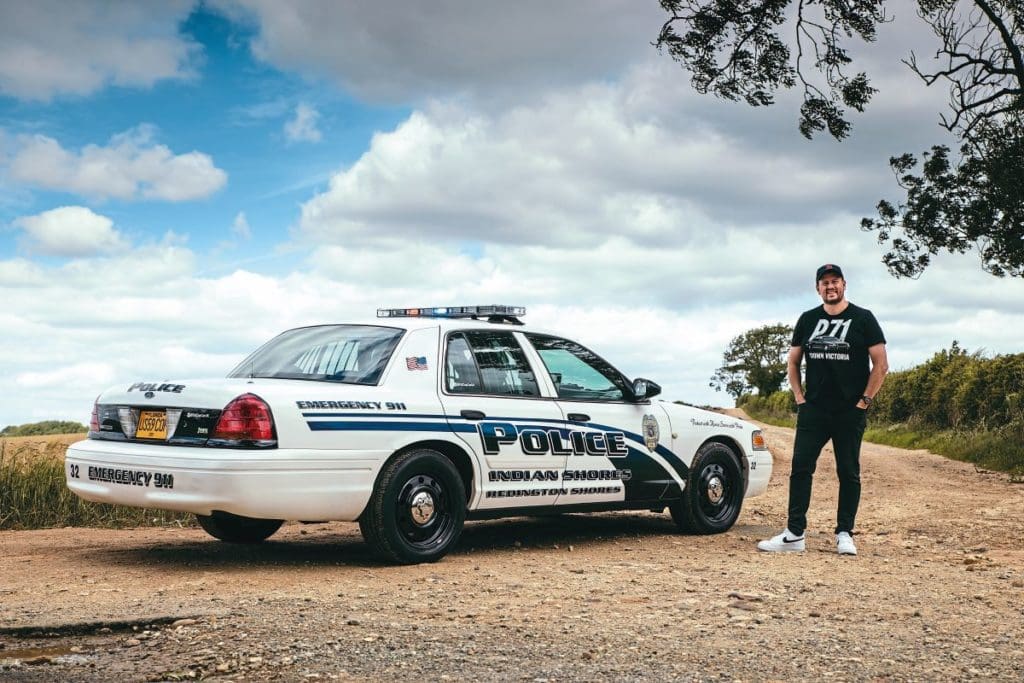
937 593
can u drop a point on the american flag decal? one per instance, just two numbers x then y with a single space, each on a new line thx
416 362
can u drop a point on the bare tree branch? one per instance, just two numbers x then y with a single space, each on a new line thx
1008 38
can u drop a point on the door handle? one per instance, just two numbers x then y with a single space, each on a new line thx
578 417
472 414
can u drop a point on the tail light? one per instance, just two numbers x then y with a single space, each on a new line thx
246 421
94 421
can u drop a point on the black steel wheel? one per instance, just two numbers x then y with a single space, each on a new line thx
238 529
417 508
713 497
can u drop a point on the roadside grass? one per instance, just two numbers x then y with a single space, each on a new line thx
998 449
992 449
773 420
33 493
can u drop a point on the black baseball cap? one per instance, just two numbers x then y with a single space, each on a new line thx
826 269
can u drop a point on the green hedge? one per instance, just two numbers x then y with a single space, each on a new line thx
959 404
44 428
955 390
778 408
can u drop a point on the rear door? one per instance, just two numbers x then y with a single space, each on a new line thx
492 400
621 447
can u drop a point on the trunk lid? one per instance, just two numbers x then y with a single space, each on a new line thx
173 412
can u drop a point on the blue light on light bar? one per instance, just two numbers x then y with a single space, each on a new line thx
452 311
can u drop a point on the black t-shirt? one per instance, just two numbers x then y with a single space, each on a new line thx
836 351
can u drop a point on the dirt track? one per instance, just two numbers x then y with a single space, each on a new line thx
937 593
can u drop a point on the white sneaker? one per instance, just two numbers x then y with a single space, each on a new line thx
785 542
844 544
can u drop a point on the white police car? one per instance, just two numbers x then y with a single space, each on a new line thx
412 425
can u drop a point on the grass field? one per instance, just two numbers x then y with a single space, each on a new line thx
33 494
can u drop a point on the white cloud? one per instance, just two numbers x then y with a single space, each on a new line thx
302 127
18 273
240 232
400 50
87 374
261 111
585 164
240 227
70 231
149 270
129 167
50 47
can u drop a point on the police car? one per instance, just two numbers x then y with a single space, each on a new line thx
411 425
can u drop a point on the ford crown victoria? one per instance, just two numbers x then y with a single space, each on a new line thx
412 424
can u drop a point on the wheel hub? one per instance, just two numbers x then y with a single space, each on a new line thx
421 508
715 489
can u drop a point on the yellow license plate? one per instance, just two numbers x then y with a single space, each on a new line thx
152 425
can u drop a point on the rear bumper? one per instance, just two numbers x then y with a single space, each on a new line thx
290 484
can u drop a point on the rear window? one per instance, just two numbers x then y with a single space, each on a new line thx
350 354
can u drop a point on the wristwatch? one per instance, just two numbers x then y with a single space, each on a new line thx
867 400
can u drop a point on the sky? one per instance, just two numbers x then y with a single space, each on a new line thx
181 181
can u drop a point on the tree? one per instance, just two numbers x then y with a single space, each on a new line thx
978 204
754 360
734 49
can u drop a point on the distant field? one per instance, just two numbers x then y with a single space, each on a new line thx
19 448
66 439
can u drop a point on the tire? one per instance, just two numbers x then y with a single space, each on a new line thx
714 492
417 509
238 529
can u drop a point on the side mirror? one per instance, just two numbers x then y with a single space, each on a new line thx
644 389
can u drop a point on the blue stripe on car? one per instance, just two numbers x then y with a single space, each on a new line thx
448 425
389 427
377 416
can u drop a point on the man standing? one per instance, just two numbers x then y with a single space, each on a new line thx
838 339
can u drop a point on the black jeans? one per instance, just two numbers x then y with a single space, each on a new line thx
814 427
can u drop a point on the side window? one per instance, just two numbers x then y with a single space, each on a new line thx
577 372
499 366
461 373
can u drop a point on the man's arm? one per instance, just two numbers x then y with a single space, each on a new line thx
879 366
796 355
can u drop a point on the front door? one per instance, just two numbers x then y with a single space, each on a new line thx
624 455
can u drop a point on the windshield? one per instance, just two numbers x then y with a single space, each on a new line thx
352 354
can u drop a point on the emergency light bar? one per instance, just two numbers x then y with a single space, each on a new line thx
453 312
